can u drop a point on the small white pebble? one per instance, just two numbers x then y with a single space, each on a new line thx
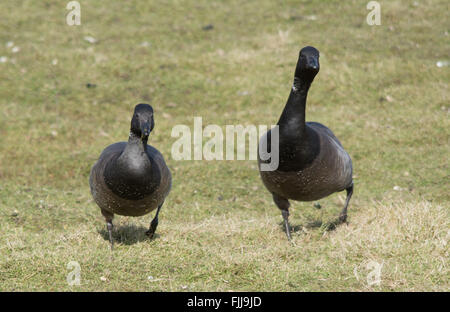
183 286
3 59
243 93
55 62
15 49
397 188
90 39
152 279
54 133
102 278
103 133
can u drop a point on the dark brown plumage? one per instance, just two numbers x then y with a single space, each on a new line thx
131 178
312 162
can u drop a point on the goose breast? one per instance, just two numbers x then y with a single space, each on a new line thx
331 171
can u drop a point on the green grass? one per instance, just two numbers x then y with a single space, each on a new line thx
379 90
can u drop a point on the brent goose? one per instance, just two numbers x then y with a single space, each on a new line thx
312 162
131 178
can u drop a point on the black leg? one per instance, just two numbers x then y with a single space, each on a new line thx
110 226
154 223
283 205
343 215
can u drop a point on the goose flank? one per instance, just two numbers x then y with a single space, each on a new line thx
312 162
131 178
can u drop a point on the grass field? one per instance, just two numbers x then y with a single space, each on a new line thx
379 90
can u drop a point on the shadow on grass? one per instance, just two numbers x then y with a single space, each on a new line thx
325 227
128 234
332 225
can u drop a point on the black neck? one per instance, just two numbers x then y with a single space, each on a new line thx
292 120
135 147
298 145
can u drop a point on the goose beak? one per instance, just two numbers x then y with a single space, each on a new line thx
313 63
145 130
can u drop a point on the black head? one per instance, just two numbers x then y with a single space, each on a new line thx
142 122
308 64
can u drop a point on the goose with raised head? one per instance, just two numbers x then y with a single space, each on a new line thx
312 162
131 178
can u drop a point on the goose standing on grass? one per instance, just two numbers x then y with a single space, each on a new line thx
131 178
312 162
